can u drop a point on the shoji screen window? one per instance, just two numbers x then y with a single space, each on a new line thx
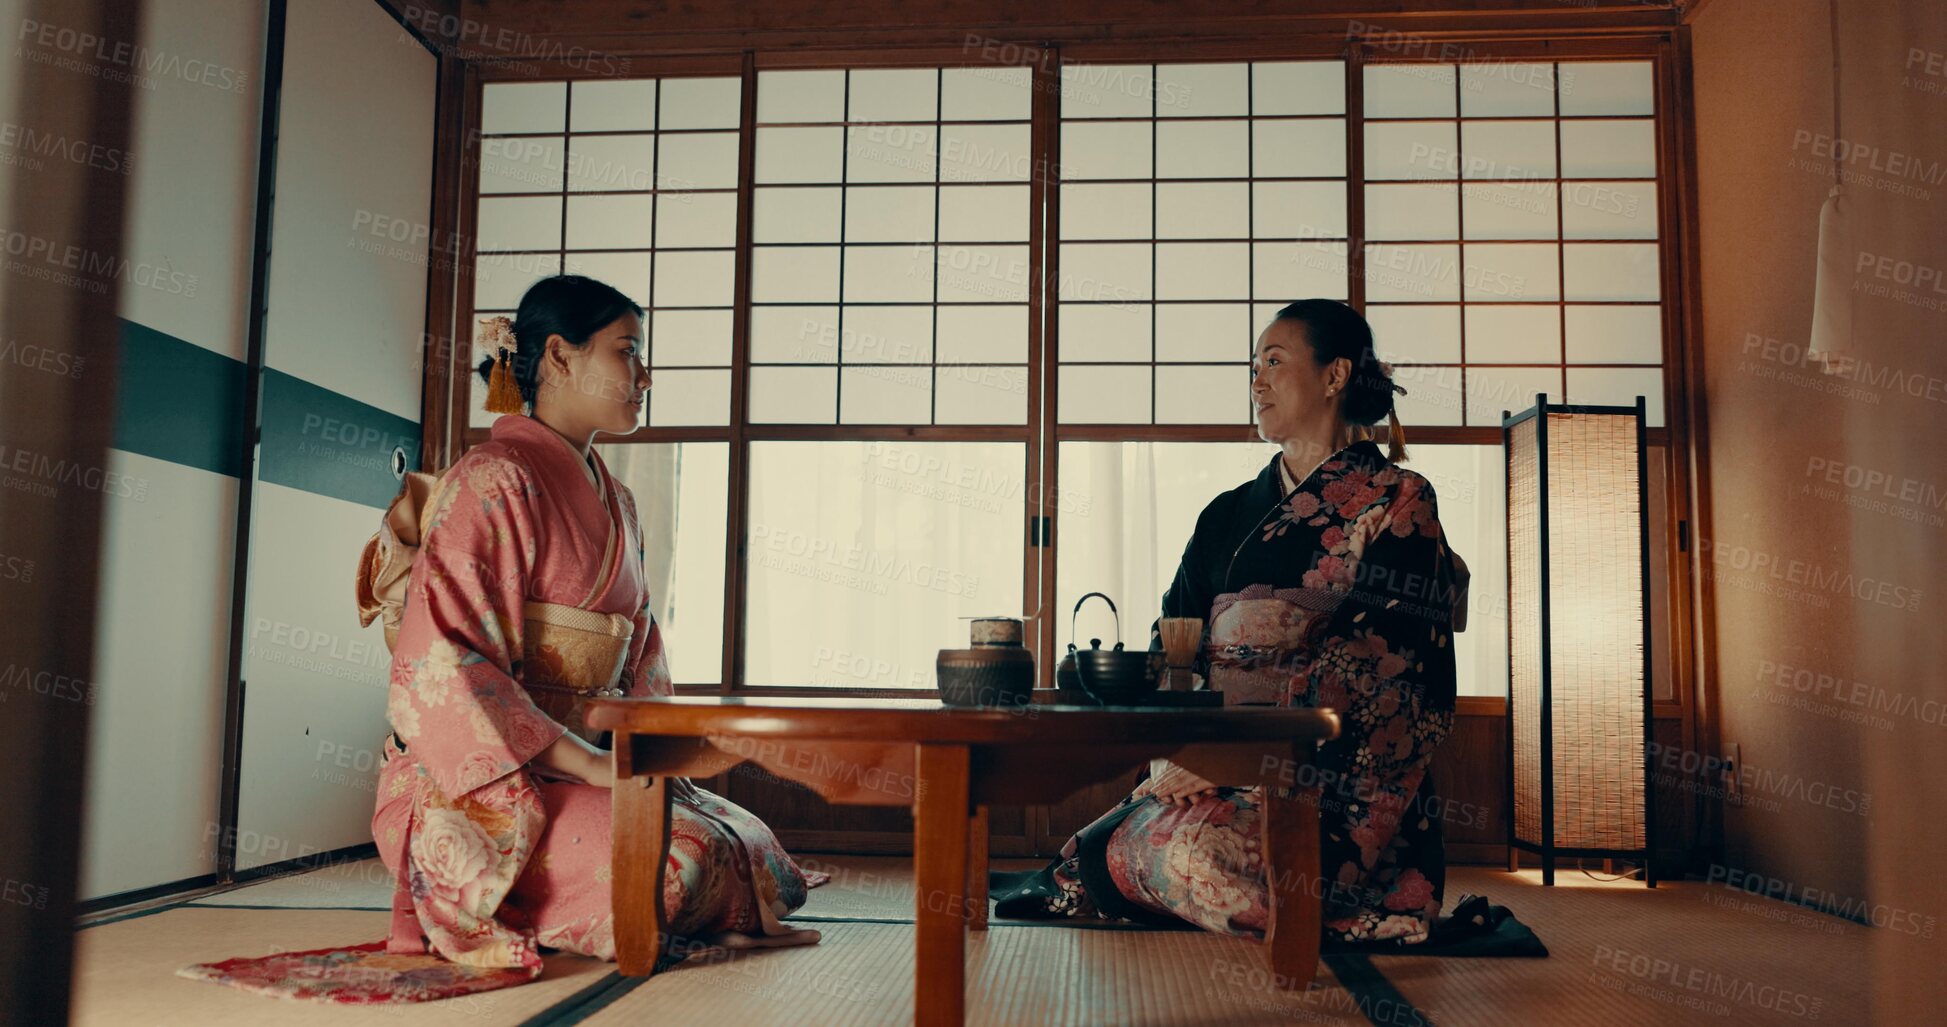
889 269
634 182
1195 200
1511 235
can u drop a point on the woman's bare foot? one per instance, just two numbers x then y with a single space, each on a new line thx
737 941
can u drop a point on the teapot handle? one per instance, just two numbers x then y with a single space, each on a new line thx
1078 609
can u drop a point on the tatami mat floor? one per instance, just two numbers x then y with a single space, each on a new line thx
1620 954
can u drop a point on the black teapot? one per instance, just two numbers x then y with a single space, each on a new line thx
1109 676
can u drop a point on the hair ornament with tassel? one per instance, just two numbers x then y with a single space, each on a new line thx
1396 434
503 388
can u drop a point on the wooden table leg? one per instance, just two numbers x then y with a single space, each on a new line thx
640 854
941 819
1296 894
977 870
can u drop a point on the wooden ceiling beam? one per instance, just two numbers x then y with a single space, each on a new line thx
533 29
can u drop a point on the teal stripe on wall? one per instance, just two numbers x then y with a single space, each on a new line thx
179 402
330 444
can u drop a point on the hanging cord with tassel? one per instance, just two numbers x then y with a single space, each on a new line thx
503 387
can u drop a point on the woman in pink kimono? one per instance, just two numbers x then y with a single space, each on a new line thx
493 801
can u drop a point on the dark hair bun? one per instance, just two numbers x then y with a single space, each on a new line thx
1368 393
574 307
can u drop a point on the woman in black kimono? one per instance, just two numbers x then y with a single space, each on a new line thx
1326 581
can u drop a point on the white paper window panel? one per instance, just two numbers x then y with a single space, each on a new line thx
1609 149
1106 210
690 397
1203 210
1606 87
696 278
1507 149
1507 89
1416 334
1102 331
1412 273
1614 334
984 213
1298 210
1103 395
689 338
982 274
794 335
807 214
793 395
1203 149
794 274
1511 271
1508 210
1491 390
611 163
1203 271
1287 271
980 395
887 335
801 95
1610 271
609 222
894 94
1202 90
1105 272
1203 332
522 164
888 274
986 94
1609 210
885 395
1413 210
697 160
889 214
1432 396
521 223
1412 150
891 153
1115 149
1107 91
985 153
790 154
613 105
715 102
1203 394
696 219
1298 87
1409 90
1619 386
990 333
1514 334
629 272
523 107
1304 148
500 279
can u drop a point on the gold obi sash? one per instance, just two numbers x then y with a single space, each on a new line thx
571 649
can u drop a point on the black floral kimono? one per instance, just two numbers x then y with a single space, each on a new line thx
1338 592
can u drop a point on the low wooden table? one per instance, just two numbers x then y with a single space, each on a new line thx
950 764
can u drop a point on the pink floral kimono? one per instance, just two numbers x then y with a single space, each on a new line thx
492 858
